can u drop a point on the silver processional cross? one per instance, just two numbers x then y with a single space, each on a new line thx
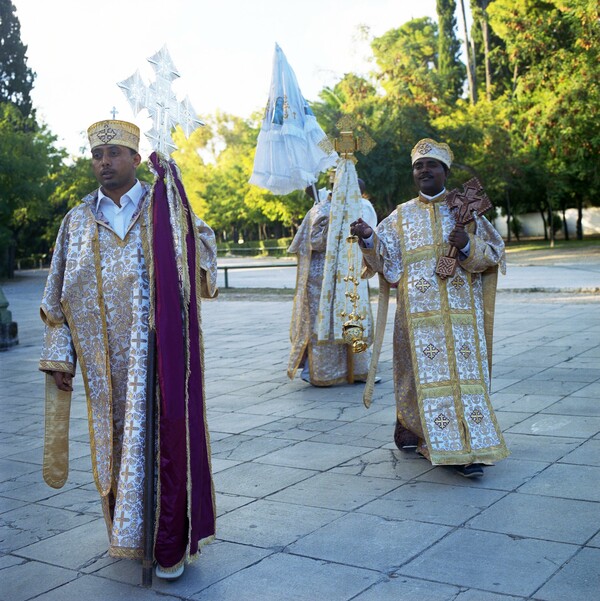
161 103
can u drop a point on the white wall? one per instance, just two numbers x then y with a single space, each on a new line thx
532 224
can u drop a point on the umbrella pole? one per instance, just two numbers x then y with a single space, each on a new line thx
316 194
150 455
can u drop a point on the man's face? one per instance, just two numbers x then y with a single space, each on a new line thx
114 166
429 175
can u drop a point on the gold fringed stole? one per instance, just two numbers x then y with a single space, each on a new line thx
56 436
444 392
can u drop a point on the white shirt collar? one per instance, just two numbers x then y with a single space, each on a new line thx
427 197
134 195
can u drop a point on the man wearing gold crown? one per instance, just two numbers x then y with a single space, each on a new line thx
443 326
101 297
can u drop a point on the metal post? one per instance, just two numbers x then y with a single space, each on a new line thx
150 457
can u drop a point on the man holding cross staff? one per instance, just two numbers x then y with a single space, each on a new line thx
123 270
444 318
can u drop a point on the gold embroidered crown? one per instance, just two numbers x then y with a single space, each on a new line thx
112 131
435 150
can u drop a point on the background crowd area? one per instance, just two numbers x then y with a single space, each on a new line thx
518 103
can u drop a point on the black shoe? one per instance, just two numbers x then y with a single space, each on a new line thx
473 470
404 438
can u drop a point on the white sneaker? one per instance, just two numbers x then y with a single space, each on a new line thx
168 573
377 380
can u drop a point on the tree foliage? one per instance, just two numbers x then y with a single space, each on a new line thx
28 158
16 78
531 131
451 70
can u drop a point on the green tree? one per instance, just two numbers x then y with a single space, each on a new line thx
70 183
407 60
27 157
16 79
451 70
553 47
216 164
492 71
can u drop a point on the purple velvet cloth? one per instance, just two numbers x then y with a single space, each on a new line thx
178 344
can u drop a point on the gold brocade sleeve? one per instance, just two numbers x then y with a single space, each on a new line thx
487 249
208 259
386 255
58 353
318 233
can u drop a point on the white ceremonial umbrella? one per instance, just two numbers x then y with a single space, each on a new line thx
292 149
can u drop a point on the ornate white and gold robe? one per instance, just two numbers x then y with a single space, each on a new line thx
329 362
443 331
95 309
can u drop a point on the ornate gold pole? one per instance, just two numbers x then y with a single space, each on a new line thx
353 329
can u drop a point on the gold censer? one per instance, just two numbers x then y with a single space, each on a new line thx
353 329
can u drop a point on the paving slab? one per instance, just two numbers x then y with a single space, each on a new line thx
386 463
285 576
272 525
73 549
546 518
312 455
587 453
566 481
574 426
433 503
258 480
31 523
30 579
335 491
491 561
93 587
580 574
401 588
392 542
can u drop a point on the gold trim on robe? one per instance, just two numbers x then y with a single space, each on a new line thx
96 308
442 331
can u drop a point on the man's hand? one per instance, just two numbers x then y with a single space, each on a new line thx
458 237
361 229
63 380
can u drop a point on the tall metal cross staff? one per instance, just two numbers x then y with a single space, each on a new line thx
166 112
161 103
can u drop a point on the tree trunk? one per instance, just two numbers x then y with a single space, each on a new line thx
508 216
579 218
565 226
469 57
543 214
550 223
485 31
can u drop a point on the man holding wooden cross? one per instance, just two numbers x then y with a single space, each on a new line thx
444 318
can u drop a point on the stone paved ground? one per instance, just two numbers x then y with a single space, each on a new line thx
315 503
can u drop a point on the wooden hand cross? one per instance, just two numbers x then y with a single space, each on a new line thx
472 199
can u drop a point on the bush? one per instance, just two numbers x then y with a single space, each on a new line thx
516 227
257 248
